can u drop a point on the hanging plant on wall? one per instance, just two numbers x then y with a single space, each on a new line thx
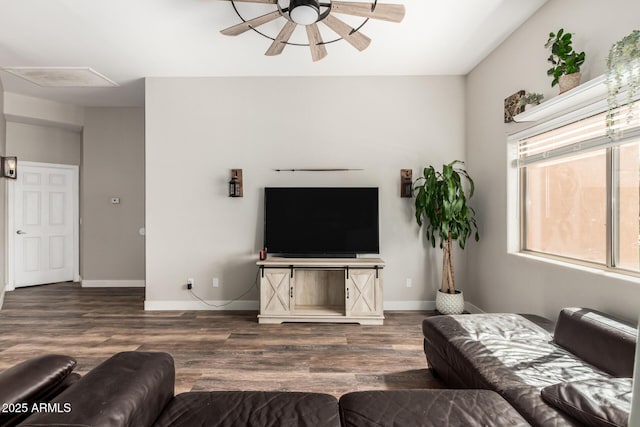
623 70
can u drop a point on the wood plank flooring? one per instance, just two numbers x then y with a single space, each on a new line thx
214 350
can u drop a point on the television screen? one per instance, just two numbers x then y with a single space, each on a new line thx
340 221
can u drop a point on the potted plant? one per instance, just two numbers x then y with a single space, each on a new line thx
441 206
623 69
566 61
530 98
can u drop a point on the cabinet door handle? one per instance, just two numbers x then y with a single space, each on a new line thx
291 292
347 293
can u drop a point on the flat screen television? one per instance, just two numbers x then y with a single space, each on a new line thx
313 221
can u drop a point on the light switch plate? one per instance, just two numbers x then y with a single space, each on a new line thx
115 200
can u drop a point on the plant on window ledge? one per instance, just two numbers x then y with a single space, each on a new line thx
566 61
530 98
623 68
441 205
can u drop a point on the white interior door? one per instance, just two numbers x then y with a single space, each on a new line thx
44 237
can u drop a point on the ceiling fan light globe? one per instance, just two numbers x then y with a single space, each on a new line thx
304 12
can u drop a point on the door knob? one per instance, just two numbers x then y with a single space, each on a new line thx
21 232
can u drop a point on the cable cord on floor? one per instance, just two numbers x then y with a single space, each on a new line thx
255 284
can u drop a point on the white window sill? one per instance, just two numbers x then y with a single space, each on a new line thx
584 268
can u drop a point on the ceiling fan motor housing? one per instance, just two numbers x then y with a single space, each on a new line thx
304 12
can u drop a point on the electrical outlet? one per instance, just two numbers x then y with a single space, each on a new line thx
215 282
190 283
409 282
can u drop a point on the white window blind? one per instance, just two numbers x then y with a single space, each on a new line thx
581 136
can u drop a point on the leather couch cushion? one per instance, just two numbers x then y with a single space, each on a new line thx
34 380
598 339
427 408
129 389
528 401
593 402
502 351
506 353
251 409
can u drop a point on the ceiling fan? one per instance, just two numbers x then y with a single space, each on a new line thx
311 12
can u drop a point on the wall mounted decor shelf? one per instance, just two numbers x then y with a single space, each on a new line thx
588 93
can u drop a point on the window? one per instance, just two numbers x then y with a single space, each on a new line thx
580 192
628 211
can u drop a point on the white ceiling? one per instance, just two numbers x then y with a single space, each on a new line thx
127 40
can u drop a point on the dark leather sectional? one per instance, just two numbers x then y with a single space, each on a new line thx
136 389
507 369
578 374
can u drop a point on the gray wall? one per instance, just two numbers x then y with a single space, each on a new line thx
111 154
3 133
44 144
197 129
113 166
507 282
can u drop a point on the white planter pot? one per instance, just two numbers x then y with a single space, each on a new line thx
447 303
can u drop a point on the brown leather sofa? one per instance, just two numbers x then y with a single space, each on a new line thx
576 374
136 389
32 382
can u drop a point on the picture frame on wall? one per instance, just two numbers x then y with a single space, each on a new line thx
511 107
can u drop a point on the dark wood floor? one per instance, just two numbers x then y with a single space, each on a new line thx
214 350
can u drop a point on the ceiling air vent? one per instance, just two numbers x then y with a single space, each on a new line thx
61 76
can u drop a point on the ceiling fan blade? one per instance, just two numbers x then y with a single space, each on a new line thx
281 40
256 1
318 50
384 11
251 23
354 38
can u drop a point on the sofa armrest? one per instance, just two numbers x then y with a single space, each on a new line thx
129 389
33 381
598 339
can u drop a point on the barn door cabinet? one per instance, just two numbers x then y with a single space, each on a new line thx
335 290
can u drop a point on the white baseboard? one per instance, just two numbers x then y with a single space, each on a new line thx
409 305
242 305
245 305
424 305
113 283
255 305
472 308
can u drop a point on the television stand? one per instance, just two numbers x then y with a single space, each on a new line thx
332 290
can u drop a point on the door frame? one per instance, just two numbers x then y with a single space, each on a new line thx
11 227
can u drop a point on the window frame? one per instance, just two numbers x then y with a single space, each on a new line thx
517 239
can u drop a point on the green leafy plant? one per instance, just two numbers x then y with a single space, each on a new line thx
530 98
441 206
623 69
565 60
